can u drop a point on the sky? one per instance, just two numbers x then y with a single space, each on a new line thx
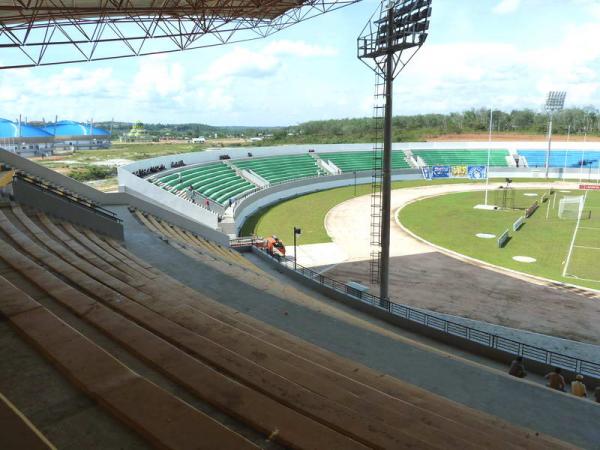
504 54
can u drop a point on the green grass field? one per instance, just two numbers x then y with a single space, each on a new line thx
546 240
308 211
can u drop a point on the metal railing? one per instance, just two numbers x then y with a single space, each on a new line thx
470 334
68 196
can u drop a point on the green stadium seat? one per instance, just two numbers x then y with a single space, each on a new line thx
361 161
216 181
462 157
279 169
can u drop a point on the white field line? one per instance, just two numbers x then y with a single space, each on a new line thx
582 279
589 248
589 228
574 235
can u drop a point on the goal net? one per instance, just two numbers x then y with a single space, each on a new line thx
570 207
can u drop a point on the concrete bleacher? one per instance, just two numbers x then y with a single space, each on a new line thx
278 169
360 161
562 158
274 389
16 431
216 181
461 157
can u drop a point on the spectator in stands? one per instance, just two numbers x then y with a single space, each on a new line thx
207 204
176 164
517 368
231 202
556 380
597 394
577 387
190 192
150 170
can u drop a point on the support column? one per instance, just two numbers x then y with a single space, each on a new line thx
386 182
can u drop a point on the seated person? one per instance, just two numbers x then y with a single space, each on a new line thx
556 380
577 387
517 368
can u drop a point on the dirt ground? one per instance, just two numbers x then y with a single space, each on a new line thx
441 283
510 137
422 276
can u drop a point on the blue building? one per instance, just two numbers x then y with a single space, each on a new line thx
70 135
25 140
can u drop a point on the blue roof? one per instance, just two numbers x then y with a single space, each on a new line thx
71 128
9 129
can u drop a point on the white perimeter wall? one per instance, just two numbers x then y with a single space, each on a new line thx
137 186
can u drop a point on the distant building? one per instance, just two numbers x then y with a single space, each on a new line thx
198 140
70 135
137 134
25 140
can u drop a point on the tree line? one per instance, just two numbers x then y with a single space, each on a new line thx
574 121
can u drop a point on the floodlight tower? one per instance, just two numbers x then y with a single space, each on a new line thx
393 35
554 102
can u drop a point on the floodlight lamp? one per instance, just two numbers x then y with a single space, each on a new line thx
402 25
555 101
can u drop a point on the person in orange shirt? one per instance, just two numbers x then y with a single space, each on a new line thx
578 388
556 380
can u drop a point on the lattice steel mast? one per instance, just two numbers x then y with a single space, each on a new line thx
393 35
46 32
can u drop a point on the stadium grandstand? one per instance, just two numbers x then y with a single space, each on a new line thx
461 157
225 177
140 319
70 135
155 313
562 158
217 182
361 161
282 168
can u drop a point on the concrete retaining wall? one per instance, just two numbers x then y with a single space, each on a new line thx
58 206
266 197
150 192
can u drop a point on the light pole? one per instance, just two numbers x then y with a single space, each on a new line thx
554 102
487 171
391 38
297 231
355 183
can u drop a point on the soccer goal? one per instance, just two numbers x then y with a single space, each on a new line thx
571 207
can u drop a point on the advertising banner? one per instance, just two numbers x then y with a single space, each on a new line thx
459 171
477 172
589 187
440 171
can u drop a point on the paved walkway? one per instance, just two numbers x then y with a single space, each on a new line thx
520 402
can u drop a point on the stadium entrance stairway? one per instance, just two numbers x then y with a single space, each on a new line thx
350 335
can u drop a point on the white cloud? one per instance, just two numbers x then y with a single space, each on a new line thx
157 77
243 63
298 49
506 6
